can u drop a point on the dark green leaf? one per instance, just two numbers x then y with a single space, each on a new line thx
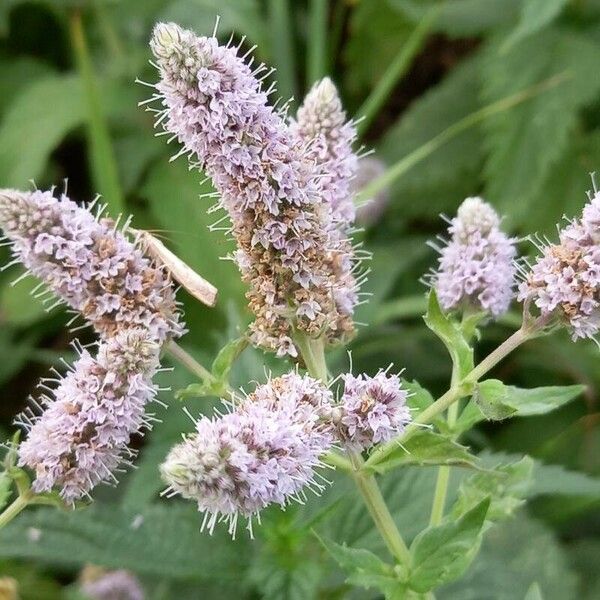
428 448
5 483
441 554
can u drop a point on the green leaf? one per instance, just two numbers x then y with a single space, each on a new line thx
418 397
441 554
158 540
449 172
427 448
534 593
451 334
18 305
37 120
507 486
222 364
364 568
5 483
497 401
535 15
526 143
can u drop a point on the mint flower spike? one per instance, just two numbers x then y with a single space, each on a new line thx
81 437
264 451
89 264
266 179
564 281
477 270
373 410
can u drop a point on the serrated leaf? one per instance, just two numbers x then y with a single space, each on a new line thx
497 401
451 334
527 142
427 448
364 569
159 540
441 554
535 15
507 486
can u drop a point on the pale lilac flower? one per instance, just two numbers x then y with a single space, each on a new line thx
265 451
476 267
266 180
82 435
373 409
111 585
564 282
89 264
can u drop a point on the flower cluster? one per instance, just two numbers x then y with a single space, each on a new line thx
82 435
98 584
267 181
264 451
373 409
565 280
88 264
476 267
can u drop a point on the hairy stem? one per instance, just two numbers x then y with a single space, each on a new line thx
189 362
375 503
12 510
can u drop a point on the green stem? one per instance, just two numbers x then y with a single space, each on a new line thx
456 392
379 511
317 43
394 72
103 163
425 150
12 510
189 362
313 353
283 47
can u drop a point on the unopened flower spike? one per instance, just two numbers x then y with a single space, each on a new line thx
265 451
81 437
89 264
476 269
373 409
564 281
214 105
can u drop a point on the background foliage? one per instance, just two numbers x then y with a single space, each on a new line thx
68 111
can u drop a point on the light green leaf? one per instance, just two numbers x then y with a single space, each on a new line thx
38 119
507 486
222 364
535 15
497 401
419 398
17 304
556 479
441 554
428 448
5 482
534 593
158 540
364 568
451 334
525 143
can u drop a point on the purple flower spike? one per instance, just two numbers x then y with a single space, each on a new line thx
82 435
89 264
564 282
374 409
476 267
263 452
267 182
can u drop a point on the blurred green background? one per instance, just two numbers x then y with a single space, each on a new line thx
69 112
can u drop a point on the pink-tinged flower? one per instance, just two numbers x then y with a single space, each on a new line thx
265 451
82 435
477 265
99 584
564 282
89 264
371 210
266 179
373 409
